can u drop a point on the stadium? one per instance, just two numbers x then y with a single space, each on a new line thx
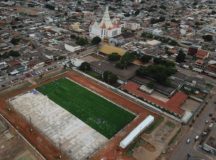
78 115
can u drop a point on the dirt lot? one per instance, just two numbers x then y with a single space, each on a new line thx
14 147
155 143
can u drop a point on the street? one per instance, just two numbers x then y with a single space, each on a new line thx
195 74
183 149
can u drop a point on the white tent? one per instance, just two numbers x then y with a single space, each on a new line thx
136 131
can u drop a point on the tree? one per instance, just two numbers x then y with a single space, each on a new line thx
164 62
163 7
145 58
73 36
137 12
150 84
81 41
127 14
181 56
13 53
96 40
160 73
207 38
114 57
85 66
49 6
15 41
126 59
109 77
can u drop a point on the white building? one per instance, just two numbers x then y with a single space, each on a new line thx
131 25
106 28
72 48
137 1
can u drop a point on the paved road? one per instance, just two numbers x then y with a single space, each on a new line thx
181 151
196 74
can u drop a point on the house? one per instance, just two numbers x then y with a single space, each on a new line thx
212 65
192 51
211 68
132 25
72 48
76 27
3 65
202 54
199 63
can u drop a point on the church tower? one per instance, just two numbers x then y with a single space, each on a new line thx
106 28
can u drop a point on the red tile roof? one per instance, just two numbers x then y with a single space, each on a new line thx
13 63
202 54
173 104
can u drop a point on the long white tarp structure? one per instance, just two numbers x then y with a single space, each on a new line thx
77 139
136 131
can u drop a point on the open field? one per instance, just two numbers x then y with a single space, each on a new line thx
100 114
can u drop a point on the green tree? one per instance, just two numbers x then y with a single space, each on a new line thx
85 66
114 57
207 38
126 59
160 73
109 77
81 41
15 41
96 40
181 56
137 12
150 84
145 58
13 53
164 62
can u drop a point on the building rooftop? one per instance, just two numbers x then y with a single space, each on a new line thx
173 104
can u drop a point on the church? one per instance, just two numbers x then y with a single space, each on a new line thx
106 28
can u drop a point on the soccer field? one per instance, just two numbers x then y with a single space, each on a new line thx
97 112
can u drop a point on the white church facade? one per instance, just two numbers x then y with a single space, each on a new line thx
106 28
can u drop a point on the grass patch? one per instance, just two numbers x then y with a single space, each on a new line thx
100 114
154 125
94 74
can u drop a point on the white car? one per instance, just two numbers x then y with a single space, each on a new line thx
188 141
196 138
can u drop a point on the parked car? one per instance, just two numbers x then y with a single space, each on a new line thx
196 138
188 141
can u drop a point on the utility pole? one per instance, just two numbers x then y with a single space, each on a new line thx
30 122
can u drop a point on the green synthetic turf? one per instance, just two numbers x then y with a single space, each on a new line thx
97 112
